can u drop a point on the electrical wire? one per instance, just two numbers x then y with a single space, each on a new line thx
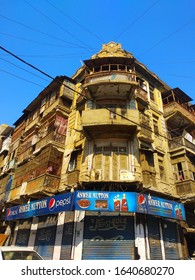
83 27
167 37
37 42
22 69
41 32
138 18
20 77
58 25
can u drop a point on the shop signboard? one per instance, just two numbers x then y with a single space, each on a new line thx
128 202
105 201
160 207
99 201
49 205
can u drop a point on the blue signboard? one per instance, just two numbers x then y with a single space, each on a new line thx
99 201
105 201
160 207
128 202
49 205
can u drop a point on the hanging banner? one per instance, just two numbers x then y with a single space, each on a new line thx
49 205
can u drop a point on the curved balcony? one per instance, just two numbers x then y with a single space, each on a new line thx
113 121
107 79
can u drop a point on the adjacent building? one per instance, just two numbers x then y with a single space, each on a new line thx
102 166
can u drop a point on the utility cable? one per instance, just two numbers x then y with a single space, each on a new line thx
23 69
37 42
138 18
58 25
68 16
41 32
167 37
20 77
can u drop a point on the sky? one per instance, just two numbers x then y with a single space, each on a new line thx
56 36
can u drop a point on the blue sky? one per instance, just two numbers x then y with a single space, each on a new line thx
57 35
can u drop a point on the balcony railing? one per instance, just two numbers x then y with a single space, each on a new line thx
51 138
114 117
27 151
181 142
111 76
43 185
186 187
141 95
184 109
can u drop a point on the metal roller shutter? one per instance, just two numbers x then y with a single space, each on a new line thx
23 232
154 238
67 236
109 237
45 236
170 239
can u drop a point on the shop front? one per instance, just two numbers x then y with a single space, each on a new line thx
108 237
115 223
100 225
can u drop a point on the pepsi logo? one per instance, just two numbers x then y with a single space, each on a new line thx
141 199
8 212
52 203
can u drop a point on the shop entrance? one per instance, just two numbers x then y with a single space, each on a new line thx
108 237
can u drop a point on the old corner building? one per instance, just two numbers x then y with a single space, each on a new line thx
101 166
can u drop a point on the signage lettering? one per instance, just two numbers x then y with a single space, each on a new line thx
99 201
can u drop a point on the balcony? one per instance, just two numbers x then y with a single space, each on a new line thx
27 150
181 142
110 76
110 121
53 138
36 188
141 96
109 82
177 108
43 185
145 132
186 189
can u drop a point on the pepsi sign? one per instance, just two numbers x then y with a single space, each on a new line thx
49 205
